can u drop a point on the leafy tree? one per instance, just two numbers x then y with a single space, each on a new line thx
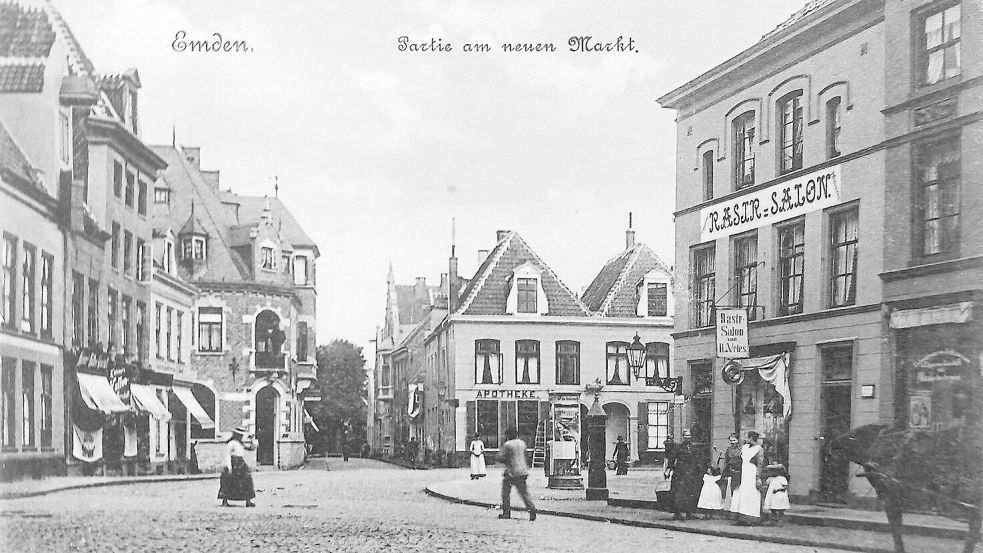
342 381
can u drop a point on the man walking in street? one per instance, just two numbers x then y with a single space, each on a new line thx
513 455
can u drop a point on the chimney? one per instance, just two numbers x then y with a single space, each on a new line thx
193 155
629 235
211 179
453 282
443 282
500 235
482 254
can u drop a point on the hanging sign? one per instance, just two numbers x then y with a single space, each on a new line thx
732 339
776 203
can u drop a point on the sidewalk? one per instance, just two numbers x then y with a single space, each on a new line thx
632 497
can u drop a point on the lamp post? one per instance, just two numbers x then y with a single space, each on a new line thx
637 356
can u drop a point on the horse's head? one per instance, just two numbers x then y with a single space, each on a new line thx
853 446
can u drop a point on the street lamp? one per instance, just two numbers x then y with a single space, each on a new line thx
637 354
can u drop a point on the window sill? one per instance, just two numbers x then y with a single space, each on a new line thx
210 353
8 449
28 449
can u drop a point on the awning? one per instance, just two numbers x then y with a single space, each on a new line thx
99 395
955 313
146 400
195 408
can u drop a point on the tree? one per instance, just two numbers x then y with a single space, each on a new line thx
342 380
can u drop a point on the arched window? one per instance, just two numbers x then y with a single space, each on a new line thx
269 341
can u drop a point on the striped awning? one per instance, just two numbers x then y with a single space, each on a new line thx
98 395
146 401
195 408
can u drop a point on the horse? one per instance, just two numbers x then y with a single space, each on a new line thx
942 470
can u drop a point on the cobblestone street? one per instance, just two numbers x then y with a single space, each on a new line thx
358 506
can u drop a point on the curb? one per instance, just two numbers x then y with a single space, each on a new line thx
4 496
670 526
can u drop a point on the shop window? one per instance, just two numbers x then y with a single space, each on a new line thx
744 137
210 329
656 361
833 124
486 422
527 290
939 45
658 424
704 284
568 362
527 362
760 408
527 419
47 278
746 274
47 412
701 403
29 289
9 280
791 263
27 403
844 256
937 168
487 362
790 132
8 366
708 175
617 372
658 299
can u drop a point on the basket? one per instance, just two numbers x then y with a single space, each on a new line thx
611 464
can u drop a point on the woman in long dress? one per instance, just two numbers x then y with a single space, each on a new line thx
746 501
236 483
621 456
477 448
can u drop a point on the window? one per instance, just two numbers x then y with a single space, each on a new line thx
46 312
300 270
486 422
266 258
125 345
617 364
127 252
198 248
27 402
113 314
526 419
487 362
527 290
285 263
186 248
162 195
160 444
658 299
385 381
301 341
843 257
744 150
65 143
140 330
704 283
746 274
269 340
568 362
9 280
708 175
168 259
28 290
658 424
78 310
130 184
837 363
168 333
790 132
158 330
939 55
117 179
47 418
656 361
791 263
527 362
210 329
180 335
141 260
114 244
8 366
93 326
937 168
833 127
142 198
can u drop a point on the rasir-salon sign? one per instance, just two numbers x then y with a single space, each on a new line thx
817 190
732 339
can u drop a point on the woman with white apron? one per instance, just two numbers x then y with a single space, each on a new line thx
477 458
746 502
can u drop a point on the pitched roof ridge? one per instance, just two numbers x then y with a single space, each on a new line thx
77 60
500 248
622 276
576 299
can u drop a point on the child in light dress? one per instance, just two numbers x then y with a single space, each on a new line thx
776 498
711 500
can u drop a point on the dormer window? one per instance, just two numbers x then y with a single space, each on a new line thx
525 295
162 195
267 258
527 290
193 248
653 295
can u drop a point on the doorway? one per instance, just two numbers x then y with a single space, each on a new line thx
837 405
617 425
266 410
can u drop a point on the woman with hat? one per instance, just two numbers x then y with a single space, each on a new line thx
687 465
236 484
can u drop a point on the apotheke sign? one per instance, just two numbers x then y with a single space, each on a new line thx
732 342
817 190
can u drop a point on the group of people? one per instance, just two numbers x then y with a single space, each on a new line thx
748 487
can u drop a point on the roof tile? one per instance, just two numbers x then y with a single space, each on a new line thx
24 32
22 77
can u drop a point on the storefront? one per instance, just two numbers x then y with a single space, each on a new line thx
493 411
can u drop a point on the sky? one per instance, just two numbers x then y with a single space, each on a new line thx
377 150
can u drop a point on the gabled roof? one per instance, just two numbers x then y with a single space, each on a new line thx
412 305
25 32
614 292
487 291
251 211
